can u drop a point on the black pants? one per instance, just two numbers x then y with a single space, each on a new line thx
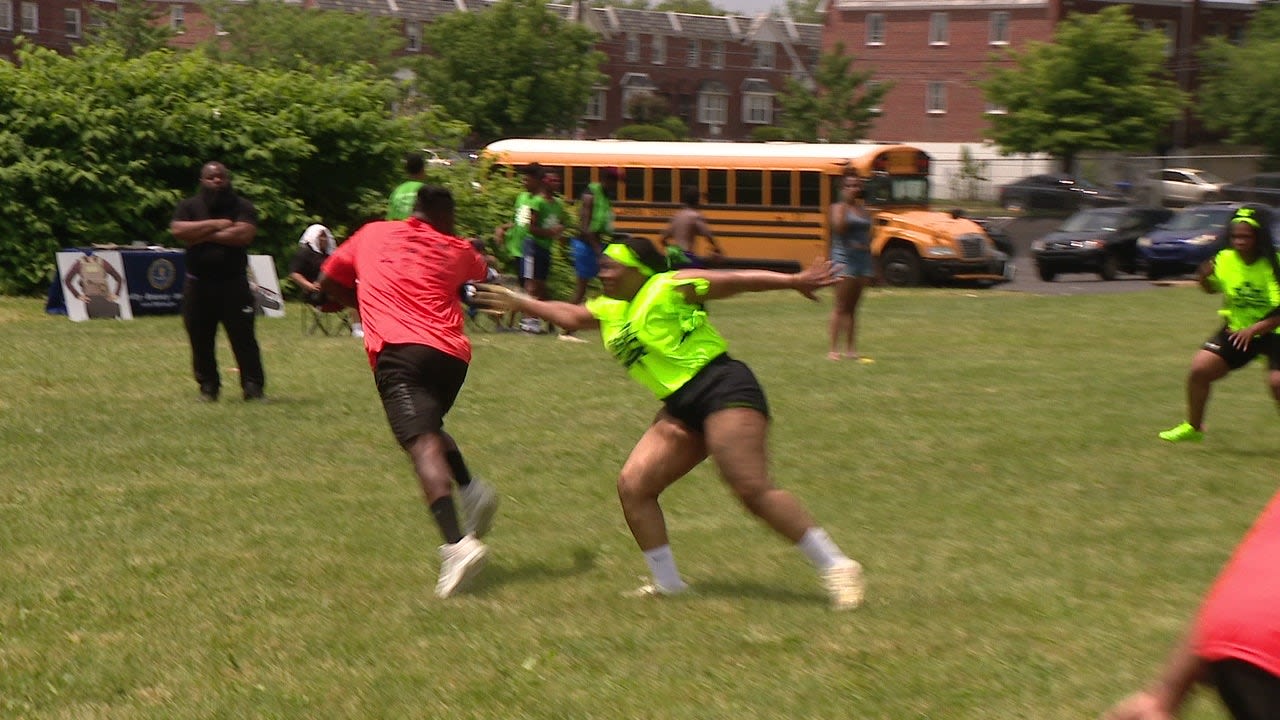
1248 691
205 303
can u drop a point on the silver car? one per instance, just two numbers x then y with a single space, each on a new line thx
1182 186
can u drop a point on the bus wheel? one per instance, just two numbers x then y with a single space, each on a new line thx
900 267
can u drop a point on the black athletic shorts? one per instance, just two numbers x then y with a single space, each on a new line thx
1248 691
722 384
1236 358
418 385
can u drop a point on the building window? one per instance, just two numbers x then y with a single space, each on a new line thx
938 28
634 85
875 29
633 47
713 107
30 18
757 109
1000 28
629 95
695 52
413 33
994 109
177 18
1235 35
596 104
71 21
764 56
659 49
1217 29
936 98
717 55
6 15
1170 28
873 85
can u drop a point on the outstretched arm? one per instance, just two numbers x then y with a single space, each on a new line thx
565 315
335 290
727 283
1163 699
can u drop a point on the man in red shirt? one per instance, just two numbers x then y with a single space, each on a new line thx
1234 644
406 276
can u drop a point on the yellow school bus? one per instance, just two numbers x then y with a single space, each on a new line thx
767 202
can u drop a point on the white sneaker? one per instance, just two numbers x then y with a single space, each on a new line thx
654 590
845 585
479 504
532 326
459 564
357 331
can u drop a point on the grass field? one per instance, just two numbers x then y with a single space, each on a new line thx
1032 549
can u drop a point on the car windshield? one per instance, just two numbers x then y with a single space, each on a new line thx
1208 177
1091 222
1199 219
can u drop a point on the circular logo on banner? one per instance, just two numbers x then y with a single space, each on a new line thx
161 274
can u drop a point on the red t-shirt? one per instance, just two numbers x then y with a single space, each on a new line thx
1240 618
409 276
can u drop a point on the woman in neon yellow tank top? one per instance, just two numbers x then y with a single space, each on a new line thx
655 323
1247 274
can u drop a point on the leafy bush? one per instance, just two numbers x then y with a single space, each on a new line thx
644 132
769 133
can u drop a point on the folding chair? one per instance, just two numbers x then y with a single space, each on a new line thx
330 319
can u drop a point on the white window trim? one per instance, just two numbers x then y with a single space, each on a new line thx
935 19
879 19
178 19
34 17
1008 28
693 57
878 109
703 108
761 57
597 93
658 46
413 33
941 89
72 15
747 99
631 49
717 55
995 110
6 15
628 94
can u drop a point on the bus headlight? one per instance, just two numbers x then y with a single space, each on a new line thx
940 251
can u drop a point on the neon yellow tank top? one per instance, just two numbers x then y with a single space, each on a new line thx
660 338
1249 292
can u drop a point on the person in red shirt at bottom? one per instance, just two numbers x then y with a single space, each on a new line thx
1234 644
406 276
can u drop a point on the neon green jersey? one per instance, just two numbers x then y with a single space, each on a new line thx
514 238
400 204
601 211
1249 291
659 337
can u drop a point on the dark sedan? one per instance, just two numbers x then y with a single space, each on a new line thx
1056 193
1263 188
1101 240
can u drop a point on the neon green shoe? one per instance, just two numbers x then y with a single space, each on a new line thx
1182 433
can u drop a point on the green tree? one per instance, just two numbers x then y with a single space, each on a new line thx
693 7
1237 91
803 11
537 78
841 108
133 26
270 34
1100 85
304 147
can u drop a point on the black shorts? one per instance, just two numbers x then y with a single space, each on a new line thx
722 384
418 385
1236 358
1248 691
537 261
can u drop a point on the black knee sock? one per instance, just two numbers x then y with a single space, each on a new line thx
461 474
447 518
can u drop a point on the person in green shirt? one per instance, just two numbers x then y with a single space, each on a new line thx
1246 276
654 322
538 223
400 203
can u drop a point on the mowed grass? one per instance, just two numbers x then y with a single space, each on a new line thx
1033 551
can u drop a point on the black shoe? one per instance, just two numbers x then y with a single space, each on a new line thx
208 394
253 393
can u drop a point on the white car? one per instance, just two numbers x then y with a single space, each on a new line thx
1182 186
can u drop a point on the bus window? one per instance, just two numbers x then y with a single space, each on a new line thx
560 172
686 178
717 187
878 190
780 188
810 189
633 180
664 186
575 183
750 187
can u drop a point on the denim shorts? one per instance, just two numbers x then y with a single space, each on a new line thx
854 262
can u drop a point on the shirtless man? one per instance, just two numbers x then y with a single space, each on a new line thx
685 227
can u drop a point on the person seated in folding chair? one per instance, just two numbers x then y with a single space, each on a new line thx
314 246
478 316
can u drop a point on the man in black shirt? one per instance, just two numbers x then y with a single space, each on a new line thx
217 225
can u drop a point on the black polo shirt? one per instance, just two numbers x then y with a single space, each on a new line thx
213 261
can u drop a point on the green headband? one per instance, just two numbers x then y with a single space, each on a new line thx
1245 215
623 255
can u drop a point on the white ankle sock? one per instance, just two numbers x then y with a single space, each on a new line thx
820 549
662 565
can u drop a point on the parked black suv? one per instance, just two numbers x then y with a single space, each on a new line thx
1101 240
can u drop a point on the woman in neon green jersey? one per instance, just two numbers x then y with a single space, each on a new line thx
1246 275
654 323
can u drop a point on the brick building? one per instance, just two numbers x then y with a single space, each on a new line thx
934 51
